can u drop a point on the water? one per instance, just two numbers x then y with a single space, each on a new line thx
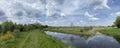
100 41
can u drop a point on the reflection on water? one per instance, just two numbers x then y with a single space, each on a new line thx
80 42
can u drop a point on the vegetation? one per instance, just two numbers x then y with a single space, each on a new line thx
117 22
33 39
6 36
10 26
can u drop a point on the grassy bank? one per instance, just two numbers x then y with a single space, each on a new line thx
111 32
82 31
32 39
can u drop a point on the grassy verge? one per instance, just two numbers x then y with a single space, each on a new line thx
33 39
111 32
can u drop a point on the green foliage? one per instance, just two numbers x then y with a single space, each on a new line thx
7 26
117 22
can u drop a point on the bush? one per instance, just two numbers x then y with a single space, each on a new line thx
6 36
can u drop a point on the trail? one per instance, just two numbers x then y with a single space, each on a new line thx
23 42
31 41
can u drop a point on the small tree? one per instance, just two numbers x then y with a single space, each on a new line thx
117 22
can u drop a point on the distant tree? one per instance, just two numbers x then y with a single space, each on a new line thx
19 27
45 26
117 22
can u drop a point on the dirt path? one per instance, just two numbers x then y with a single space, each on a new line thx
94 32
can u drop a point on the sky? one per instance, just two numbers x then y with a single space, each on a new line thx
60 12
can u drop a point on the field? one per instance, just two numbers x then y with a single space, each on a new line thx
32 39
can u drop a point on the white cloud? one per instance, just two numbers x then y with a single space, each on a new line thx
90 16
81 21
62 14
93 18
16 10
99 4
117 13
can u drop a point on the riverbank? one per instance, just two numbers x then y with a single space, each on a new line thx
115 32
33 39
81 31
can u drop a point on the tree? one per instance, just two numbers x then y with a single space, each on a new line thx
0 29
117 22
7 26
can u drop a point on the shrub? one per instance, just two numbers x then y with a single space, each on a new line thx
16 33
6 36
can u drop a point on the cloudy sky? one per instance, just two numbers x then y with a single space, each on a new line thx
60 12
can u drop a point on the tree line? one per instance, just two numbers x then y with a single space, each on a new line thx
10 26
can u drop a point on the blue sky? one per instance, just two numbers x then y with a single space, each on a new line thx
60 12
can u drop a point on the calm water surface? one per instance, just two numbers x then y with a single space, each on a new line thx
100 41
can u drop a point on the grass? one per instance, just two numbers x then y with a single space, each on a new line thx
33 39
82 31
111 32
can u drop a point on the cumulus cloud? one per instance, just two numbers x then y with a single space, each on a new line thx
99 4
90 16
55 7
21 10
